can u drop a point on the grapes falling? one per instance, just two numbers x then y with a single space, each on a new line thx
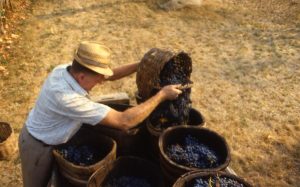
176 112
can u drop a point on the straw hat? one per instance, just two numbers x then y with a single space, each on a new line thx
94 56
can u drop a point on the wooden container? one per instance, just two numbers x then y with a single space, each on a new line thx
79 175
131 142
196 119
134 167
174 135
187 179
8 142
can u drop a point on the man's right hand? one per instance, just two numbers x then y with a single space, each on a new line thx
171 92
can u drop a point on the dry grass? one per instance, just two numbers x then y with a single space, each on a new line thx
245 69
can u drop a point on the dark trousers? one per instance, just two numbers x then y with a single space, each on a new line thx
36 160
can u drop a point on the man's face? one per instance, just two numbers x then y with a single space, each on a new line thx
88 81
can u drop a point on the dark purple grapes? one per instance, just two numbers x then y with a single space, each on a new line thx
212 182
80 155
201 183
192 153
229 182
128 181
176 112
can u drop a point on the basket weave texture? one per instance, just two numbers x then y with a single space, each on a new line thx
148 77
8 142
149 69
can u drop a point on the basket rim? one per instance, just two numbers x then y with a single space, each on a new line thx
165 157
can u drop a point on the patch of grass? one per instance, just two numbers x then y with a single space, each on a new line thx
3 61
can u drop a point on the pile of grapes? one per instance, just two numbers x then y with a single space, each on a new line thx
176 112
128 181
192 153
216 182
80 155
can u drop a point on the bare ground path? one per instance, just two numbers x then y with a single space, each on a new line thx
246 70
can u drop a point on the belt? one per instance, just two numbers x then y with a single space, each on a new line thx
40 141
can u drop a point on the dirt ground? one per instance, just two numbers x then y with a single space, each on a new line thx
246 69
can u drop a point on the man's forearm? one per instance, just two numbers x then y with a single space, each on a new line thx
137 114
123 71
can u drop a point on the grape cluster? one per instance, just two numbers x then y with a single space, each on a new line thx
192 153
212 182
169 113
80 155
229 182
201 183
128 181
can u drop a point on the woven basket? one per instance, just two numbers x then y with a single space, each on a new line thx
173 135
187 179
135 167
8 142
150 67
79 175
148 71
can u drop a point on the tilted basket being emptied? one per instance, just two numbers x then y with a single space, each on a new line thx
151 66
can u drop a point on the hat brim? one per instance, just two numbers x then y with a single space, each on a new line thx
104 71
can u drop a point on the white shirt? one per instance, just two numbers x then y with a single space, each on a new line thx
61 109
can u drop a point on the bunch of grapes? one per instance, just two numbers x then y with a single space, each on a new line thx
128 181
192 153
176 112
80 155
229 182
213 181
201 183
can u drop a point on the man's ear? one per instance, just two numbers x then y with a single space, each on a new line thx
80 77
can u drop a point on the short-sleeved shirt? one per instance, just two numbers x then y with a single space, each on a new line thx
61 109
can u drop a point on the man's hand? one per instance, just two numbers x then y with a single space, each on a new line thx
171 92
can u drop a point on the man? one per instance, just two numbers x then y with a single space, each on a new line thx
63 106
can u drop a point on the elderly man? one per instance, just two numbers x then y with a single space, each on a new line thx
63 106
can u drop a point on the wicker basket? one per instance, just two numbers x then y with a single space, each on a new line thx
135 167
171 169
8 142
79 175
150 67
188 178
